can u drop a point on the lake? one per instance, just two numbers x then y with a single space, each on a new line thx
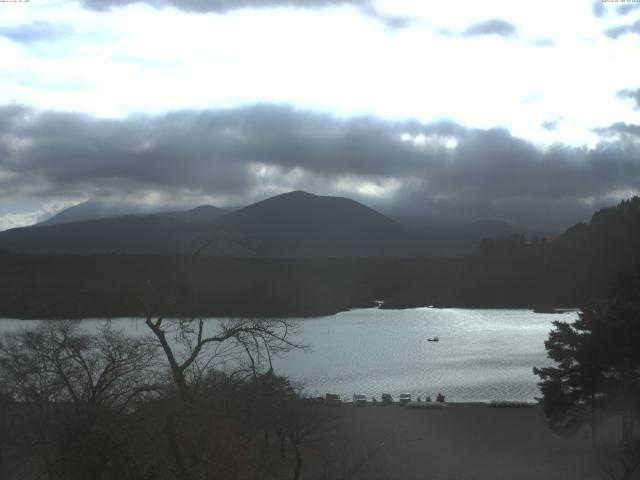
482 355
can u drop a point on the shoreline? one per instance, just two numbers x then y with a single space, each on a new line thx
465 403
329 313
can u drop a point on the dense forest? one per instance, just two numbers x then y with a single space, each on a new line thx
588 261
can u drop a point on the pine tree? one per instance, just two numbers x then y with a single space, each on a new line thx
597 372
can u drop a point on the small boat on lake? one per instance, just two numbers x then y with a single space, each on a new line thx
434 339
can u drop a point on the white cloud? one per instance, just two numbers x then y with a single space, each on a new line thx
14 220
338 59
335 59
24 219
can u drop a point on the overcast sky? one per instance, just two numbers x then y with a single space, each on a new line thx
523 111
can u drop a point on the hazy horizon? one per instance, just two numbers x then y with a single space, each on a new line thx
115 208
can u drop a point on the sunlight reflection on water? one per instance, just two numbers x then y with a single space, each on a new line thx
482 354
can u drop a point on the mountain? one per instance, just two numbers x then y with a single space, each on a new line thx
299 224
588 262
201 214
93 210
127 234
97 227
295 224
97 210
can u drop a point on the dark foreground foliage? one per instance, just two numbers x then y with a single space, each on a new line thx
78 404
595 382
597 371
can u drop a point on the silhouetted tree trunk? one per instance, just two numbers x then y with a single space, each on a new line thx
255 340
177 371
282 438
296 475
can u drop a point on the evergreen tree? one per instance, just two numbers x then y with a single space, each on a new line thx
597 372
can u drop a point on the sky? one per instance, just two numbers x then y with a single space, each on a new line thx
527 112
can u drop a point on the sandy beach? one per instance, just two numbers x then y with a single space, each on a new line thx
461 442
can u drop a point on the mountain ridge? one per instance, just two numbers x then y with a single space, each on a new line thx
300 224
293 224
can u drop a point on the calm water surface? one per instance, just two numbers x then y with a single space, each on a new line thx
482 354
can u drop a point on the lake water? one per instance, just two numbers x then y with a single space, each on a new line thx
482 355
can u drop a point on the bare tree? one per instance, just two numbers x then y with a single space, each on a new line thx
80 368
75 388
245 346
243 349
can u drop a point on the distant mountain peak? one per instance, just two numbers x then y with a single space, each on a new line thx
301 224
299 193
90 209
292 224
96 209
203 207
304 194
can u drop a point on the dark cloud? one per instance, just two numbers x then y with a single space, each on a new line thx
597 8
391 21
253 152
225 6
498 27
615 32
494 26
222 6
551 125
627 8
633 94
620 129
35 32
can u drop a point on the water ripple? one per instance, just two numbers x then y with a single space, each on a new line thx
482 354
